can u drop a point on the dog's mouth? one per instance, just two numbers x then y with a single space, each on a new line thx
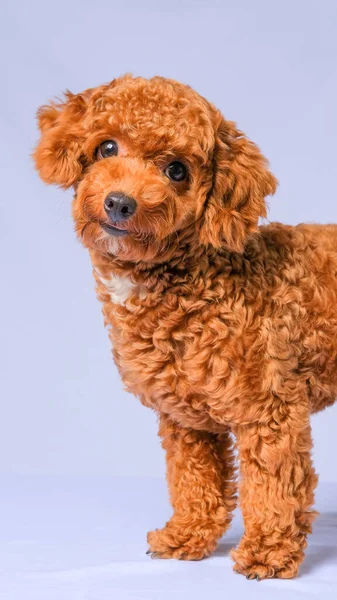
116 229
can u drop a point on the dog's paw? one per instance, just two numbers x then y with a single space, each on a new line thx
256 571
182 544
256 562
260 571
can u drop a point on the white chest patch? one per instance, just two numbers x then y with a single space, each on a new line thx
119 288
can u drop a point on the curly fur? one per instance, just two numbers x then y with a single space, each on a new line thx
222 327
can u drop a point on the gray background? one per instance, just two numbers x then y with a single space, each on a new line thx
271 66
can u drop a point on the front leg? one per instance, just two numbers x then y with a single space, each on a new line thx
276 493
200 475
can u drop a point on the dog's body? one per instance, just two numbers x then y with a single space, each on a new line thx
274 306
216 324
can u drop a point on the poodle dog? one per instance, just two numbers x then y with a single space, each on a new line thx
227 329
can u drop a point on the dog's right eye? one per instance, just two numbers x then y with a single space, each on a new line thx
107 149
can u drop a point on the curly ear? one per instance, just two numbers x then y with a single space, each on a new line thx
58 153
241 181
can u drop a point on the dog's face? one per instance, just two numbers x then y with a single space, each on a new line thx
149 159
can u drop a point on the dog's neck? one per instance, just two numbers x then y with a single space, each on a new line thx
188 260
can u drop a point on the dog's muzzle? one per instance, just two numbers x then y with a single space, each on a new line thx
119 208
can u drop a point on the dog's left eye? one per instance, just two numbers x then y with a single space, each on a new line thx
107 149
176 171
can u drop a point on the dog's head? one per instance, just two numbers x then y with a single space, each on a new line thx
149 159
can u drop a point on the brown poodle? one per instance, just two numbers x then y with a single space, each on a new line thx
222 327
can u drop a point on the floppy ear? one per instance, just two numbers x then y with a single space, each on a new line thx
58 154
241 181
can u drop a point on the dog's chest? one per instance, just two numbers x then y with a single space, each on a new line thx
170 354
119 288
186 357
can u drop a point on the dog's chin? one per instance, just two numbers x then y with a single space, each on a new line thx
109 239
122 244
114 230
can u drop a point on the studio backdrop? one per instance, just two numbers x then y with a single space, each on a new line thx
269 66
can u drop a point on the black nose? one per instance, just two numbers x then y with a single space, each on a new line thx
119 207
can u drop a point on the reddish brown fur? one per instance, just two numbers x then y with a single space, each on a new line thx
228 328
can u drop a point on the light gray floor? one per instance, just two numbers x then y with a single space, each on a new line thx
85 539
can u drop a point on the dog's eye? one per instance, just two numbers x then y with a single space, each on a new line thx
176 171
107 149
